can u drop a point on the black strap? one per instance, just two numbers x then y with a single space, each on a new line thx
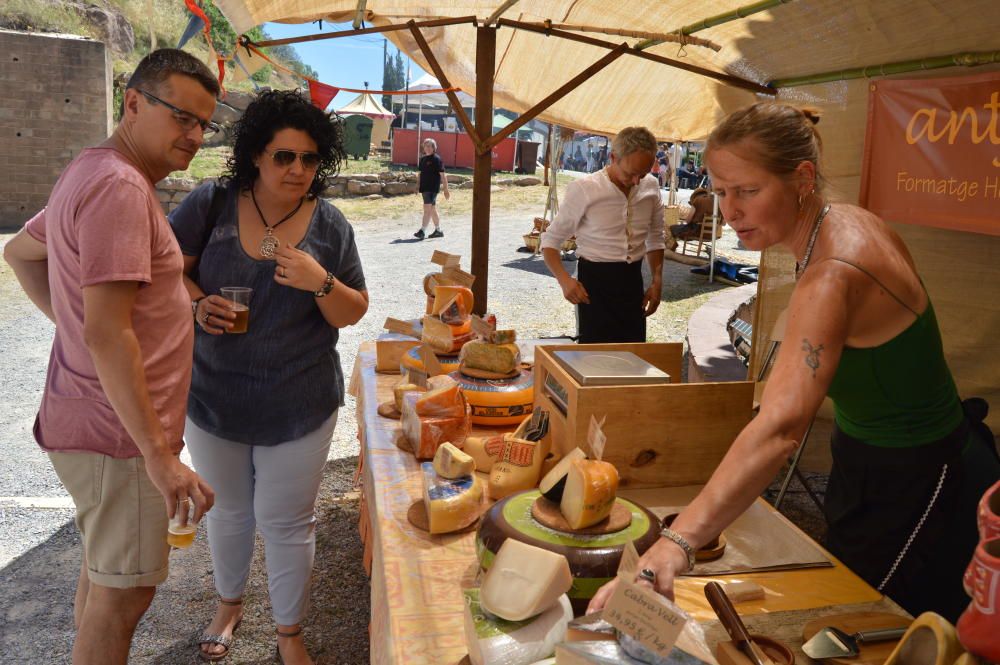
877 281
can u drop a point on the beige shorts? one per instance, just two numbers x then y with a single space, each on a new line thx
121 517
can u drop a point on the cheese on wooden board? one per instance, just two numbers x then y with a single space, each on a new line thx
495 641
389 350
427 433
401 389
524 581
451 504
452 463
519 467
499 358
443 399
589 494
554 481
485 450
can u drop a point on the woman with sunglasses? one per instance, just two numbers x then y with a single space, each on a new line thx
263 404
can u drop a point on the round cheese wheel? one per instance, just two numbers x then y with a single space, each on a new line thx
411 360
593 559
498 402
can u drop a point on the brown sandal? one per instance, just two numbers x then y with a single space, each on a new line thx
225 642
277 649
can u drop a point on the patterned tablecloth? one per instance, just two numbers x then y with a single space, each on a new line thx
416 578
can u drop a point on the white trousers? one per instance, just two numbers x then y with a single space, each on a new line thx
275 488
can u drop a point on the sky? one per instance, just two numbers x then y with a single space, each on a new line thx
346 62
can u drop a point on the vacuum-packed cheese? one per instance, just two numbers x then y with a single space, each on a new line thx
497 641
519 467
589 494
499 358
427 433
450 462
451 504
485 450
524 581
401 389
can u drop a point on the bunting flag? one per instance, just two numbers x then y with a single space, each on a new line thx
194 26
321 93
206 29
245 70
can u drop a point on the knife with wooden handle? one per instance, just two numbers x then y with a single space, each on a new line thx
734 626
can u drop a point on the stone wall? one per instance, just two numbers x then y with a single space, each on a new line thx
56 101
172 191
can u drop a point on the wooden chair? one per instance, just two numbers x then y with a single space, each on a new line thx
703 239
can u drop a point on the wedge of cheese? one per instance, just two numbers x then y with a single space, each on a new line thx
495 641
499 358
524 581
427 433
589 494
519 467
401 389
554 482
485 450
452 463
451 504
443 399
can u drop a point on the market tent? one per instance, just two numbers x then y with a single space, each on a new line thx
805 50
428 82
365 104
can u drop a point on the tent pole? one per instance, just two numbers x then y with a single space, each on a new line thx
486 53
711 248
718 19
367 31
499 12
968 59
359 15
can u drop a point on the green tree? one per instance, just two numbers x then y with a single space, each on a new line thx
393 77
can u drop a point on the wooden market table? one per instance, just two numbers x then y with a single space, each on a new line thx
416 579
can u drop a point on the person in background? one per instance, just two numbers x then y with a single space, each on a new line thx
616 215
910 460
432 180
101 263
264 403
690 228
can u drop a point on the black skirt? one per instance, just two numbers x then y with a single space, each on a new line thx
615 311
877 506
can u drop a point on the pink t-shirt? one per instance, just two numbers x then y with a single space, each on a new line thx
103 223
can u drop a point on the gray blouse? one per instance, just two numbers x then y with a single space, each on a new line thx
282 378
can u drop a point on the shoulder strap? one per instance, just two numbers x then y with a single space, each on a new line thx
877 281
214 212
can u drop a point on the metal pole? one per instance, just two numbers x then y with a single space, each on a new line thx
711 248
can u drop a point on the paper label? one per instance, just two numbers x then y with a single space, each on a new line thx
445 260
459 276
645 616
596 437
629 564
432 366
482 328
401 327
418 378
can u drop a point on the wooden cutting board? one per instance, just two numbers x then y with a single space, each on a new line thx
869 654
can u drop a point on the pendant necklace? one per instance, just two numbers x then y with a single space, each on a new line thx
801 268
269 243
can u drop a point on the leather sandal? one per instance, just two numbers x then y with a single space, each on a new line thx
277 649
225 642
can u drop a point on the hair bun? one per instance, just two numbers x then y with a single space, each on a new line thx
812 114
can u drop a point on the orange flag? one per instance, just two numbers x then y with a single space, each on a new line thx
321 93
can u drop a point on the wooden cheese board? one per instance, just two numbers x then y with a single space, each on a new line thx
547 513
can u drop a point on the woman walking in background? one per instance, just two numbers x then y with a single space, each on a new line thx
432 180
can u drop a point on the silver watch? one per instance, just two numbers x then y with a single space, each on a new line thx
679 540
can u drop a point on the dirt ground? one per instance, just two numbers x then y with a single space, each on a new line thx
39 559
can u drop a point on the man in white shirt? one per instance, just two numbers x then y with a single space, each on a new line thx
616 215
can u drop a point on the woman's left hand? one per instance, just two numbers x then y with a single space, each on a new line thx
298 269
446 195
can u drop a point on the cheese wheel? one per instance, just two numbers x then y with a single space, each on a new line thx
498 402
412 360
451 505
589 494
452 463
498 358
524 581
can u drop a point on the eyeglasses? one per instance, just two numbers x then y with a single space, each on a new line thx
185 119
285 158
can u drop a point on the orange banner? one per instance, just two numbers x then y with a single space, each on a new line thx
932 152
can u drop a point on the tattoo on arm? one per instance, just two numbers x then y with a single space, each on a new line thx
812 355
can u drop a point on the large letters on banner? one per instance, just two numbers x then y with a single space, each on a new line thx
932 152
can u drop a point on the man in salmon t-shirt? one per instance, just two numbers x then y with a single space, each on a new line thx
101 261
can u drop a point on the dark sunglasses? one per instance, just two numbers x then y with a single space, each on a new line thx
185 119
285 158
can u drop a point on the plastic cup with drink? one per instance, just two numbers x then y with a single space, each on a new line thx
182 527
240 297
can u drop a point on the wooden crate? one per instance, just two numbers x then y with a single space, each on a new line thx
665 435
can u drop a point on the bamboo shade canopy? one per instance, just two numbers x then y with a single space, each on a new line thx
799 38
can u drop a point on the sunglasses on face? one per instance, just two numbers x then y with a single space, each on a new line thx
185 119
285 158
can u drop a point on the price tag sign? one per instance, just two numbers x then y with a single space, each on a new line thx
596 437
445 260
459 276
431 363
401 327
482 328
645 616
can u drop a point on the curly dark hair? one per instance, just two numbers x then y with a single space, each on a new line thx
269 113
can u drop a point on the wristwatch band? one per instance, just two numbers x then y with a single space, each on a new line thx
682 543
327 286
194 306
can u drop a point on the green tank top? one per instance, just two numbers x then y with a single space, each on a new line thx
898 394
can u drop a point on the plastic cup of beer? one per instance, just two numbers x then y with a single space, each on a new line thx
182 527
240 297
